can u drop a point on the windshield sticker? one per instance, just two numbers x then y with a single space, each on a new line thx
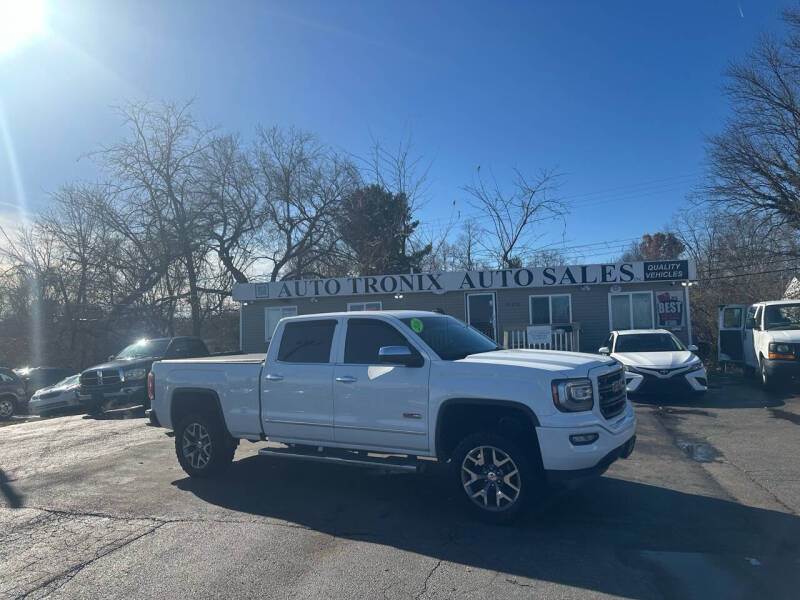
416 325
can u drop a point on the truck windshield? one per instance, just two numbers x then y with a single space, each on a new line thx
648 342
782 316
144 349
450 338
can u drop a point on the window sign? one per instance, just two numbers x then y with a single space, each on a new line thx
669 308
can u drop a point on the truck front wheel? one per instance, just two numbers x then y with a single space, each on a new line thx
203 446
496 476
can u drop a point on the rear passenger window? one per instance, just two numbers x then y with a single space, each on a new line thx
307 342
366 336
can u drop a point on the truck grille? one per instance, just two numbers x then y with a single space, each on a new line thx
611 388
108 378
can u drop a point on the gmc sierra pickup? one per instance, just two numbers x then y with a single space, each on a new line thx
387 388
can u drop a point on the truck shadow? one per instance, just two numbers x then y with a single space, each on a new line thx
13 498
578 538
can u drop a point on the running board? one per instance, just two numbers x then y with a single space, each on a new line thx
393 463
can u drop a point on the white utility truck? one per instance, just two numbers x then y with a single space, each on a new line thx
763 337
389 388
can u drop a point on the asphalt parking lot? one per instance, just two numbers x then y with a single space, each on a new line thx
707 506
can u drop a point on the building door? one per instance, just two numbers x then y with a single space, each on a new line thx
482 313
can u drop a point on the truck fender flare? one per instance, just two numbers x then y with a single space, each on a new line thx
534 420
197 390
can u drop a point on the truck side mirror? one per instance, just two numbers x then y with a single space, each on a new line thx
750 323
604 350
399 355
693 348
110 357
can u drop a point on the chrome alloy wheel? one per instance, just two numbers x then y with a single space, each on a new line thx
490 478
196 445
6 408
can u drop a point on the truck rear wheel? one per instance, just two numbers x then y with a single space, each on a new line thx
203 445
495 475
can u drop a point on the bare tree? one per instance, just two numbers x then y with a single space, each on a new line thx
512 215
753 164
302 184
158 193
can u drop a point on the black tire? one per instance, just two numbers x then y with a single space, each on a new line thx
767 380
529 480
8 407
212 444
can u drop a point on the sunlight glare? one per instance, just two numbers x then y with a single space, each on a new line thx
20 21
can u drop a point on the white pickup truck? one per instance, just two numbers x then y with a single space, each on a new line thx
389 388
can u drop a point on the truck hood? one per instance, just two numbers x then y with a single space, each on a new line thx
656 360
787 336
123 364
546 360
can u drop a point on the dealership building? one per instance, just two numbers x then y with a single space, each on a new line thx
570 307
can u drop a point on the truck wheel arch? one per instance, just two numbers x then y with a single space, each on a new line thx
188 400
473 414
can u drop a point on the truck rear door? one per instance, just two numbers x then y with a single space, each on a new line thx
297 380
730 341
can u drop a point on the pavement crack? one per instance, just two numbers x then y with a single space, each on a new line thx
428 578
57 581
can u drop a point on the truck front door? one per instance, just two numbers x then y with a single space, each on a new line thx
751 329
297 383
375 404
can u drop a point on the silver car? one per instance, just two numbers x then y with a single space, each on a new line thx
63 394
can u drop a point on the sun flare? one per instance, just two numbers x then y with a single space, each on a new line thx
20 21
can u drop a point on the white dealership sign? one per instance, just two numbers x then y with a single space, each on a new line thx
439 282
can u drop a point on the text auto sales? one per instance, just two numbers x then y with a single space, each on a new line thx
625 272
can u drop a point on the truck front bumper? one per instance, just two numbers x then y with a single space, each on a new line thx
566 454
782 369
125 396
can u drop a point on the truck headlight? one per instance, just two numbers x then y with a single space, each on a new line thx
134 374
573 395
781 351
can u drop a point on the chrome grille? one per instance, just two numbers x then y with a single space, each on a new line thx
100 378
611 389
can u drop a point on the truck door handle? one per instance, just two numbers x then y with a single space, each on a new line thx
273 377
412 415
346 379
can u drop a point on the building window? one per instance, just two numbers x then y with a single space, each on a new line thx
364 306
548 310
272 315
632 310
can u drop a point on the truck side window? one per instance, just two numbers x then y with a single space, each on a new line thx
307 342
751 313
758 317
366 336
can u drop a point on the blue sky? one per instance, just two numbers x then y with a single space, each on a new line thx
617 96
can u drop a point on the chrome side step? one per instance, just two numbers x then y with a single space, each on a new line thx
392 463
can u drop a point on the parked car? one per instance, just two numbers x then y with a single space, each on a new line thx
63 394
339 387
656 362
12 394
763 337
36 378
122 380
